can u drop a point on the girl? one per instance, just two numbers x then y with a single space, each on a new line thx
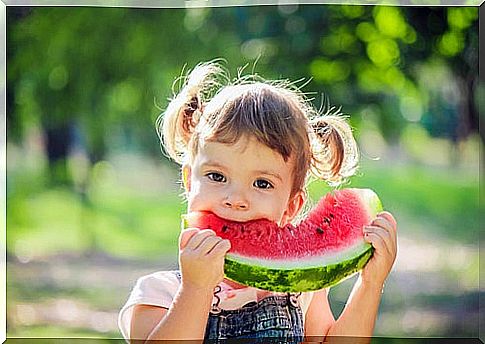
246 153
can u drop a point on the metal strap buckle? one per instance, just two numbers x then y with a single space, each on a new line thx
293 298
215 309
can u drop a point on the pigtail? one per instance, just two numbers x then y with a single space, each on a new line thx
334 150
177 124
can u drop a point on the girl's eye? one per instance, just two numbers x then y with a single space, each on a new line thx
263 184
216 177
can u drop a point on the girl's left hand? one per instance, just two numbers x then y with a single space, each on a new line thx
382 234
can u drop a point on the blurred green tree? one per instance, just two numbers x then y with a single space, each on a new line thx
99 72
378 56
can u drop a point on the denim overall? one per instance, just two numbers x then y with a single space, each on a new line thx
274 319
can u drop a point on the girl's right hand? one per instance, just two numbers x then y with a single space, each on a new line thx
201 258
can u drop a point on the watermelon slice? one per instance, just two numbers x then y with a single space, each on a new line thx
325 248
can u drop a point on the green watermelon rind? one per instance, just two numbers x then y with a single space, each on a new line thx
295 280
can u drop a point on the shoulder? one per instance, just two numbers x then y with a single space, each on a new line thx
160 284
160 280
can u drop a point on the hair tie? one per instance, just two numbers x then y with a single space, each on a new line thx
188 121
321 128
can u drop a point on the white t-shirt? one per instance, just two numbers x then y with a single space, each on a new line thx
160 288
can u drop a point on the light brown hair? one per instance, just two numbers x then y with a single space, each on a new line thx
276 113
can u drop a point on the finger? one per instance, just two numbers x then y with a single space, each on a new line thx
208 244
383 223
377 242
389 217
185 236
221 248
388 237
380 239
197 239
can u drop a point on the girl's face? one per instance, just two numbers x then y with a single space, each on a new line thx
241 182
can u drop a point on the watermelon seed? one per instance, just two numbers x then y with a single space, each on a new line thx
326 220
224 229
319 230
331 215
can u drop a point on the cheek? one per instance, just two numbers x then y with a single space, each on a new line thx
200 196
271 207
193 194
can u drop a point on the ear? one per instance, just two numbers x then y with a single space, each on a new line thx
295 205
186 173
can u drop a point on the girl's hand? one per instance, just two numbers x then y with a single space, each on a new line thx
382 234
201 258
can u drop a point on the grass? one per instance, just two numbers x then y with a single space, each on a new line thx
104 299
57 220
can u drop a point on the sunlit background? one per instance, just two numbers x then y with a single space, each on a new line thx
92 203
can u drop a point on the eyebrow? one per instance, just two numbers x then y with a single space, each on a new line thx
212 163
270 173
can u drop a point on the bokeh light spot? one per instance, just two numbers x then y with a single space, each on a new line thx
352 11
58 78
367 32
389 21
411 108
461 18
451 43
126 97
383 52
327 71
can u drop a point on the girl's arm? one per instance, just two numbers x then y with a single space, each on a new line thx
186 318
319 317
201 260
143 320
360 313
357 319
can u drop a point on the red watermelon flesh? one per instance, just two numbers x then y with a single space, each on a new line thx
330 237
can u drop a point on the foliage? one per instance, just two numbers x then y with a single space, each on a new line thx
99 75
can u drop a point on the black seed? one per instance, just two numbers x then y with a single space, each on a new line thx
319 230
224 229
331 215
326 220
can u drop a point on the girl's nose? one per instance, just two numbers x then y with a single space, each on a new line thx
235 202
236 205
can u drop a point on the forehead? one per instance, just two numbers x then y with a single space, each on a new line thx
246 153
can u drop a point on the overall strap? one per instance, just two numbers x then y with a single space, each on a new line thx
293 299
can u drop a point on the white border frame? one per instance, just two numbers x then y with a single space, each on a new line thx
147 4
